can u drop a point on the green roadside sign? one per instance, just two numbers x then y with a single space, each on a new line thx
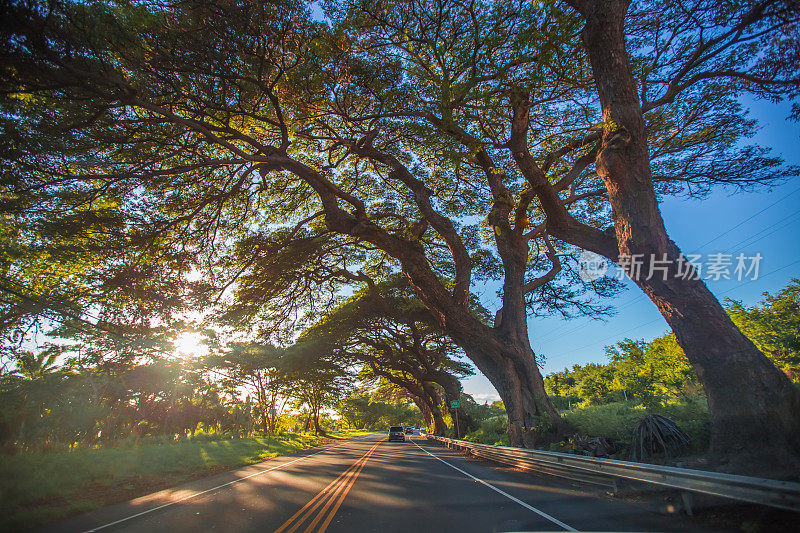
455 404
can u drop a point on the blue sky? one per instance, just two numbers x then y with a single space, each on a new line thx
715 224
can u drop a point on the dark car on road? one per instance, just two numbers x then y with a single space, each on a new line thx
396 433
409 431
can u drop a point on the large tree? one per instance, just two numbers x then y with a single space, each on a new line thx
317 383
400 128
580 115
691 59
259 369
388 331
197 119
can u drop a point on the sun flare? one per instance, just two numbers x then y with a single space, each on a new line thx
190 344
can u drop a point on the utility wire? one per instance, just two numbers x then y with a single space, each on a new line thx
619 334
560 331
740 224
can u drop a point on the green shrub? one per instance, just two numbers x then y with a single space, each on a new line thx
493 430
618 420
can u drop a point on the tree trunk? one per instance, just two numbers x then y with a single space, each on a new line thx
439 425
450 384
452 391
435 402
315 404
262 397
516 377
502 353
750 400
317 428
264 421
427 414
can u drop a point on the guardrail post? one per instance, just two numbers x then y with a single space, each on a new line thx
686 498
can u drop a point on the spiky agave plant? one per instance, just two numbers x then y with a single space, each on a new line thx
656 434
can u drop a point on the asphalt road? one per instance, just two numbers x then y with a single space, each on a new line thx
368 484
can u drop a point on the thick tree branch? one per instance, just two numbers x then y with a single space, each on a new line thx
551 274
559 221
422 198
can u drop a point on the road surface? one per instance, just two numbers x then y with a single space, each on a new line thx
368 484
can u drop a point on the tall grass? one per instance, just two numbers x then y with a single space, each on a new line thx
491 431
618 420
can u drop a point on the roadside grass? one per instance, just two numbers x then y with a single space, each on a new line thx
493 430
37 488
616 420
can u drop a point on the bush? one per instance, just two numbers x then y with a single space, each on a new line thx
618 420
657 435
493 430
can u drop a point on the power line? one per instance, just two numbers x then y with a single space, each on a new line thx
619 334
616 335
760 277
560 331
779 223
782 198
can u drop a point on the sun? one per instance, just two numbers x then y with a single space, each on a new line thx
190 344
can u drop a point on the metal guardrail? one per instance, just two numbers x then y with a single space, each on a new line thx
771 492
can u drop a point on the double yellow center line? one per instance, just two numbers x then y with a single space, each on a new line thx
327 501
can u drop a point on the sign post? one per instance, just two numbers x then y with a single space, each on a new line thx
272 412
455 404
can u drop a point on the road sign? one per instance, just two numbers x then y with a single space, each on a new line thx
272 412
455 404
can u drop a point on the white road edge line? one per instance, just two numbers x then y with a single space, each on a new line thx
556 521
212 489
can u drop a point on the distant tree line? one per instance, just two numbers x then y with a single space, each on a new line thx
646 372
244 390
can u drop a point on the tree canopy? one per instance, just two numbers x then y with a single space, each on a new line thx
284 156
774 325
